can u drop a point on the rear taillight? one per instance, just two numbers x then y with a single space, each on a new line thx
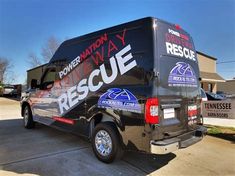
192 110
151 111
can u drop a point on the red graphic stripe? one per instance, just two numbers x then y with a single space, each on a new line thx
192 113
184 37
64 120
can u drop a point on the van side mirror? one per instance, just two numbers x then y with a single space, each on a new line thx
34 84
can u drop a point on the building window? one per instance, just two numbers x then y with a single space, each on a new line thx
209 87
202 85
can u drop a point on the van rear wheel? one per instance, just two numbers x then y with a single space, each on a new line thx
28 118
106 142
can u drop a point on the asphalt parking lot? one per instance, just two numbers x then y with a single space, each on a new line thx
46 151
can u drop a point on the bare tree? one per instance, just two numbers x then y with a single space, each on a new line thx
49 49
4 68
10 77
33 60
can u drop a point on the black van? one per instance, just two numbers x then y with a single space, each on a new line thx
133 86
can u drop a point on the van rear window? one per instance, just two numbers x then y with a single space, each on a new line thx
175 42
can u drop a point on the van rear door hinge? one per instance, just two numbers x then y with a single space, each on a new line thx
155 73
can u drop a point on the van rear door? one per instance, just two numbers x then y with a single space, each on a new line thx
177 85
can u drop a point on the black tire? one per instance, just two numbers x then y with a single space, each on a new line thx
116 149
28 118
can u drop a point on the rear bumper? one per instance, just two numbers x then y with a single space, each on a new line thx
173 144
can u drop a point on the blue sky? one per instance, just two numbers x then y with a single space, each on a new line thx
25 25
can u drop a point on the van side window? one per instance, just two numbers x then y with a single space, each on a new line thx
48 79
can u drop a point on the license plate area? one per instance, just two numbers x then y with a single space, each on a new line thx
169 113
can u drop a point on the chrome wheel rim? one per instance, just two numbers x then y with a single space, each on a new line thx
26 116
103 143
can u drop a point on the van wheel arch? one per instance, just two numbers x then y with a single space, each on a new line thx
102 118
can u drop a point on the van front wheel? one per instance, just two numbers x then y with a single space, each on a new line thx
106 142
28 118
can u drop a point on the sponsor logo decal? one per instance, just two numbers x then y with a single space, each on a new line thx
121 99
182 75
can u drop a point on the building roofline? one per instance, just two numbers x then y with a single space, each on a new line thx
37 67
213 58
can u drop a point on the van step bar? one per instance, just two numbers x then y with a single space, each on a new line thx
190 141
173 144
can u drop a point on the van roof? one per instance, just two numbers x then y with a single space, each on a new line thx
60 52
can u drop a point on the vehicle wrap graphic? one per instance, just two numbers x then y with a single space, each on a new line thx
80 91
120 99
178 44
110 75
118 54
182 75
108 53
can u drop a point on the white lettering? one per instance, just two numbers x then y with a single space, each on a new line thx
180 51
91 86
174 32
79 92
82 88
72 96
192 54
169 48
175 49
108 79
122 60
63 103
61 74
69 67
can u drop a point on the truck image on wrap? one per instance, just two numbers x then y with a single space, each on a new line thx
134 86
